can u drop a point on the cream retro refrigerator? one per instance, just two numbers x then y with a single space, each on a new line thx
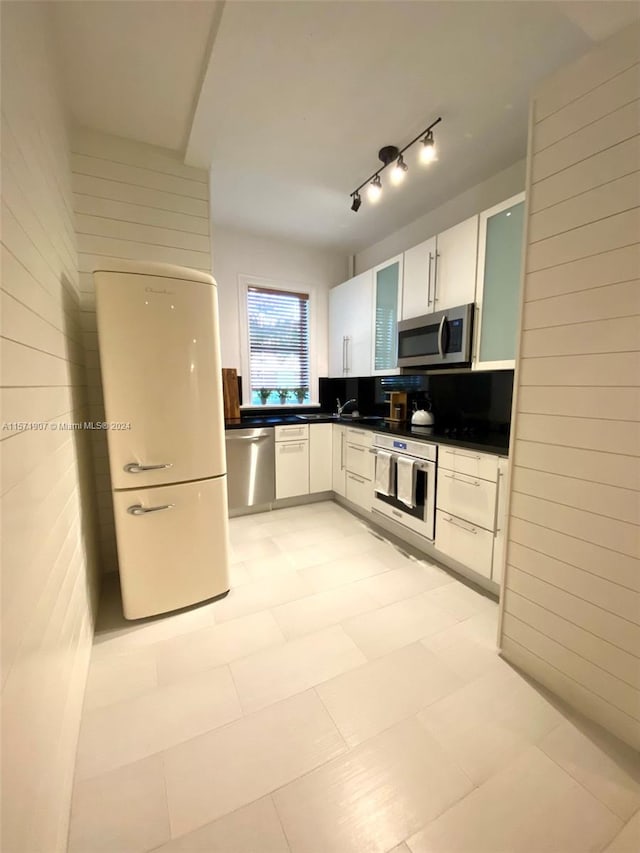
160 360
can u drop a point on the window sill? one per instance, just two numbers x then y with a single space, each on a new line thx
283 407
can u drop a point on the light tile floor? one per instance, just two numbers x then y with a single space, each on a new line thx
344 698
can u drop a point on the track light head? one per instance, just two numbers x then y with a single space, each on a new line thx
428 150
374 190
357 201
398 171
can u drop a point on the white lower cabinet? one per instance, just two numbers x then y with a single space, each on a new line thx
359 467
468 497
359 491
467 543
292 468
469 462
470 508
338 471
358 460
320 458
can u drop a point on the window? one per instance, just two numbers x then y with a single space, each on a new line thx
278 331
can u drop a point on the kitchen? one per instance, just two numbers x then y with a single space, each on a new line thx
429 617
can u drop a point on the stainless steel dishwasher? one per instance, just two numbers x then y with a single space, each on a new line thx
251 466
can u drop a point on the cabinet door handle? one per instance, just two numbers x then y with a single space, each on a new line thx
292 446
457 523
435 278
460 480
465 455
348 340
342 450
429 280
138 509
359 449
357 479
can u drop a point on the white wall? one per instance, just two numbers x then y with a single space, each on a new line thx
238 253
492 191
48 551
131 201
571 608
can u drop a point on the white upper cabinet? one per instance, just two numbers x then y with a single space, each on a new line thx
387 303
498 286
417 295
441 272
455 265
350 339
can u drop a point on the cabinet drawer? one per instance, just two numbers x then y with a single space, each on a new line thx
292 469
358 436
359 461
291 433
467 497
468 544
468 462
359 491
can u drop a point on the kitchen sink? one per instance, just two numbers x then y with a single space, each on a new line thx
315 416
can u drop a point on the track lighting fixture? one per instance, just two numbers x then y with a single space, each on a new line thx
390 154
374 190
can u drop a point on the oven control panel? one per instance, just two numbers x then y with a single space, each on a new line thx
406 447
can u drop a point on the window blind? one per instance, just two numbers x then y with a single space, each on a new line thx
278 339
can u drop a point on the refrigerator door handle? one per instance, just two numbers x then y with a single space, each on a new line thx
138 509
135 468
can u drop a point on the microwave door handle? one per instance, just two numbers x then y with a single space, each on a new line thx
441 333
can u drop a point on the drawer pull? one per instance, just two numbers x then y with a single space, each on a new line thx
460 480
461 525
357 479
359 449
466 455
292 446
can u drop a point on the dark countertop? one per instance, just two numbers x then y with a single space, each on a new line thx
489 442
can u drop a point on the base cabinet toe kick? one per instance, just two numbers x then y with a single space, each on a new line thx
447 502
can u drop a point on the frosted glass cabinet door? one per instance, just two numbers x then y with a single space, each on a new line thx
387 302
499 281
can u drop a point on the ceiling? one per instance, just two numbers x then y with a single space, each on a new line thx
289 102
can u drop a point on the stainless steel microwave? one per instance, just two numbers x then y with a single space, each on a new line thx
441 339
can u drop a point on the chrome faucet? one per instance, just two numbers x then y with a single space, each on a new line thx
342 407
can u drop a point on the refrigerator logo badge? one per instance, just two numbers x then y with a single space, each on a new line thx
153 290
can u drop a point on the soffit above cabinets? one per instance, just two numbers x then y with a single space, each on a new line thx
133 68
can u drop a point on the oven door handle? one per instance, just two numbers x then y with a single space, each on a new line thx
441 331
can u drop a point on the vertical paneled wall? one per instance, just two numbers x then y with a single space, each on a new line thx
48 538
135 202
572 592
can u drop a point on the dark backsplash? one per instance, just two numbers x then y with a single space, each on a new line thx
475 399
